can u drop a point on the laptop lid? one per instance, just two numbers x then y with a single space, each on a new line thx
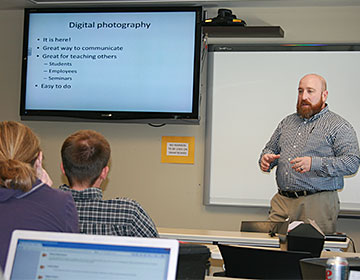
260 263
52 255
265 226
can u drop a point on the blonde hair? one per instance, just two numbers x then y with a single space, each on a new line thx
19 149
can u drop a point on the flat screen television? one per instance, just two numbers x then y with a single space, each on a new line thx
139 64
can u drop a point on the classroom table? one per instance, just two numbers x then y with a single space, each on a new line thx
257 239
253 239
218 236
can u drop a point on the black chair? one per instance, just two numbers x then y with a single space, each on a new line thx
193 261
259 263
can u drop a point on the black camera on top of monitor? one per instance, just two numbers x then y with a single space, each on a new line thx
225 17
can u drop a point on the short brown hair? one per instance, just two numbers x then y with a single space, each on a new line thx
84 154
19 149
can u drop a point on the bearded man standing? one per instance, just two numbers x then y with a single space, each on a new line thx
313 150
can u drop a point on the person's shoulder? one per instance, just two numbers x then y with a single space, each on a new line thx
53 192
124 202
53 198
291 118
335 115
337 119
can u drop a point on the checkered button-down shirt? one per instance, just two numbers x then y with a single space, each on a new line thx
120 216
327 138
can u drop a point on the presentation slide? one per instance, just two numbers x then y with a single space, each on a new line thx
120 61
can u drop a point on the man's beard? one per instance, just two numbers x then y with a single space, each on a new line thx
308 111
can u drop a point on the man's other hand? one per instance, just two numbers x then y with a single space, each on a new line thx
266 160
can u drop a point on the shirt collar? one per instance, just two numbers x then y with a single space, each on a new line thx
38 184
6 193
87 194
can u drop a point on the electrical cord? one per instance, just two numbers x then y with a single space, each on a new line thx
352 243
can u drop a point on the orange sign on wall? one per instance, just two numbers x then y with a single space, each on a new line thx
177 149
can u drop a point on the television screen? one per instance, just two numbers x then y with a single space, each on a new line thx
136 64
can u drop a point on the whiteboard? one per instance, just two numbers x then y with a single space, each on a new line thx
249 93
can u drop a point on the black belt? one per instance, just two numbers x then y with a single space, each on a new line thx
297 194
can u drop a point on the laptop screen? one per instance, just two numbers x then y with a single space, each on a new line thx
94 259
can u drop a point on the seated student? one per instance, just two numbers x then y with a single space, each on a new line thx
85 156
26 199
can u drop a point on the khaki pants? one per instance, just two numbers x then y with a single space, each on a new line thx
322 207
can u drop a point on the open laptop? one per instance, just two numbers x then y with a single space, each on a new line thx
51 255
260 263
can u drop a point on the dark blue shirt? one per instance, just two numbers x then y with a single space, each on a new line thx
42 208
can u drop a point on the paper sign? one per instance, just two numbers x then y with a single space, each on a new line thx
176 149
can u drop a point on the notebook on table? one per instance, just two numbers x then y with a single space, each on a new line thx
51 255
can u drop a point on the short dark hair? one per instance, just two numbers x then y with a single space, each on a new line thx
84 154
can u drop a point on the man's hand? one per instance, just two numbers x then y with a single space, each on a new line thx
301 164
266 160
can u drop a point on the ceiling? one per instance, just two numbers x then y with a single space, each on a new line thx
20 4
